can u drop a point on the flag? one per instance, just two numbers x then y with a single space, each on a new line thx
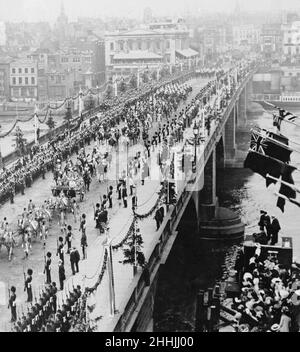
282 115
263 165
271 145
286 190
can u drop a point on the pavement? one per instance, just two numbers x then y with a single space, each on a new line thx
119 221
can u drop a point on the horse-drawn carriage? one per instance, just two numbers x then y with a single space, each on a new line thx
71 191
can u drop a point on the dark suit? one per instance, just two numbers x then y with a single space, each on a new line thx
62 276
275 230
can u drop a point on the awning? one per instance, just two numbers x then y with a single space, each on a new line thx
187 53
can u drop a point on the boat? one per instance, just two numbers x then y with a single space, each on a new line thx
283 100
214 308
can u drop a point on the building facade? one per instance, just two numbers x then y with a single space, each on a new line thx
158 40
291 39
271 39
4 80
24 80
246 35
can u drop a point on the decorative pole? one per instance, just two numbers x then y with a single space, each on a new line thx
157 74
80 103
116 86
127 154
112 296
98 95
134 244
36 124
138 79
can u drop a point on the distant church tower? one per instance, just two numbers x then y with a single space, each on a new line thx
61 23
237 10
62 19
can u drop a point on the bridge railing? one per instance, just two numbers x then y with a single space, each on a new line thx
267 97
141 284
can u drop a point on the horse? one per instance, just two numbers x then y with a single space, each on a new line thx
28 227
7 240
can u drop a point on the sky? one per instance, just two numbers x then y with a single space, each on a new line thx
48 10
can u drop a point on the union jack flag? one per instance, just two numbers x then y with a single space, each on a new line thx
258 144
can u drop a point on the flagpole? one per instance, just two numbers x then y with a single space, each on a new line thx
283 119
277 142
290 140
278 108
263 129
286 198
284 183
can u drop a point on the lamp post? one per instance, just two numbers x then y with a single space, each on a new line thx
196 133
127 153
98 95
112 296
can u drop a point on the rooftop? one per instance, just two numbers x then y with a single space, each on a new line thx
187 52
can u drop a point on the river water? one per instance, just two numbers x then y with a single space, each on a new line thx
6 122
189 268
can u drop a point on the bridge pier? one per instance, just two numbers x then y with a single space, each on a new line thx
230 136
215 222
242 118
208 195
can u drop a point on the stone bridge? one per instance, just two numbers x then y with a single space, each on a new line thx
197 195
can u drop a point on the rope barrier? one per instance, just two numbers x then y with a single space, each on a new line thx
98 267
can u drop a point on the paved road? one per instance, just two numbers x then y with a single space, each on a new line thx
120 218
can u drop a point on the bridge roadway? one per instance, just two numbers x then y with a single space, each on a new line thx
11 273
